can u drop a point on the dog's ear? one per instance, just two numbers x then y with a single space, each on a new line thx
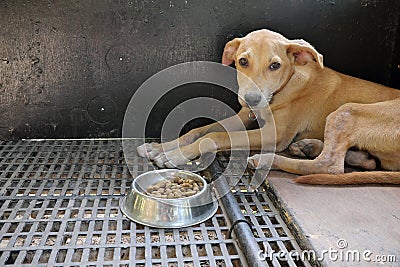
303 52
230 51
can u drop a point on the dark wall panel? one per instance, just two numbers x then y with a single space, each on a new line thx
69 68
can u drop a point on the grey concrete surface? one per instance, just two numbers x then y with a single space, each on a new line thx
345 222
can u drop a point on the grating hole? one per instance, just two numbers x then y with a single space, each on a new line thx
84 226
80 240
212 235
274 245
281 232
35 240
221 222
12 228
5 215
111 239
197 235
44 258
101 214
288 245
4 242
64 204
74 213
96 239
25 204
51 240
93 254
55 227
140 253
260 220
109 254
216 250
273 220
140 238
124 254
112 225
77 256
201 250
231 249
154 238
155 252
267 232
70 227
169 237
126 225
183 236
12 257
47 214
20 241
186 251
126 239
266 208
98 225
225 233
78 203
60 214
87 214
66 240
11 205
29 257
171 252
238 263
113 213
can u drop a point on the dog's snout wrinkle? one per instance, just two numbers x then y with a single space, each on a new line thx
252 99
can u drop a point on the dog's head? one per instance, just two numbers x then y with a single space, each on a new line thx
266 61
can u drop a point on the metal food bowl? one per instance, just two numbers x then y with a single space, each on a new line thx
168 213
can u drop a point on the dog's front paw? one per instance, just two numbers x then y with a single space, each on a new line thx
171 159
261 161
149 150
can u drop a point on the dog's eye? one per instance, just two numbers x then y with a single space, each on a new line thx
243 62
275 66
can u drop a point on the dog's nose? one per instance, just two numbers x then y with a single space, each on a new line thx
252 99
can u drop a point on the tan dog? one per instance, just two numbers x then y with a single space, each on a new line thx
301 93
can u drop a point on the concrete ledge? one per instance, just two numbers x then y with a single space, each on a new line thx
366 219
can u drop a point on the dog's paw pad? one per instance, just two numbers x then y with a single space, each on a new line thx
307 148
295 150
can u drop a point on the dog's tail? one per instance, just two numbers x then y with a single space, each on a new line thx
352 178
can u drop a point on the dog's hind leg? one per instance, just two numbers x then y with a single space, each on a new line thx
339 138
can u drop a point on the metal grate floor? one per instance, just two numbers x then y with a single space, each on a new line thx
59 206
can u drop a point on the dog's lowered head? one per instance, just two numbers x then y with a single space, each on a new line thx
266 61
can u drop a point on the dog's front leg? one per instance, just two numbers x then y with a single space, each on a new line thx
218 141
235 123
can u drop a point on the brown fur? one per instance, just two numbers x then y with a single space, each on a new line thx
307 100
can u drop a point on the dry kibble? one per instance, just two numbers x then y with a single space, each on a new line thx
175 188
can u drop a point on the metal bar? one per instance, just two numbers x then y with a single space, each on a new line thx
242 230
